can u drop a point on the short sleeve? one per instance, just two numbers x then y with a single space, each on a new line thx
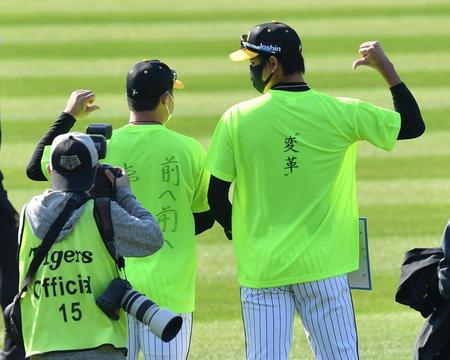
200 199
377 125
220 158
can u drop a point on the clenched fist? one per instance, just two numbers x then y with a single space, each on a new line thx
372 55
81 103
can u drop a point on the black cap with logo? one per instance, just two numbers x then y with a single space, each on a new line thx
272 38
73 160
150 79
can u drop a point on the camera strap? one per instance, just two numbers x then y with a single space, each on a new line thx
75 201
102 214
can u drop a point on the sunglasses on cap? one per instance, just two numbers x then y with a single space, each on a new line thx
246 45
177 84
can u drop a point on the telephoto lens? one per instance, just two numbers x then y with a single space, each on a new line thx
162 322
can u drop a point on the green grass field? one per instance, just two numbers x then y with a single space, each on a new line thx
49 48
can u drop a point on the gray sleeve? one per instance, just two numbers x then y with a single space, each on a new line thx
136 232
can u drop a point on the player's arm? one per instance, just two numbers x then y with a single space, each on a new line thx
412 124
202 214
80 104
62 125
220 204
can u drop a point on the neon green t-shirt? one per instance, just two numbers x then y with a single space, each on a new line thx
58 310
292 157
167 176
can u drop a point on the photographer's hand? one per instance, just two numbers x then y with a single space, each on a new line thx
120 179
81 103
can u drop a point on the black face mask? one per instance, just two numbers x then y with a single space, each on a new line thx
256 77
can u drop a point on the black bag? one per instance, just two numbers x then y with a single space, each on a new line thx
418 286
12 314
13 320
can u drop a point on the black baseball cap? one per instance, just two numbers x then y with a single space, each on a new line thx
150 79
272 38
73 159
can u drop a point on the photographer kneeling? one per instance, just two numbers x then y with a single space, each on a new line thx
60 317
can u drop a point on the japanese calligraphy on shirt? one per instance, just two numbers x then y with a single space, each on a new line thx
168 215
291 154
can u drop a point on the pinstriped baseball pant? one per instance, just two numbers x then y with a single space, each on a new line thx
140 338
325 308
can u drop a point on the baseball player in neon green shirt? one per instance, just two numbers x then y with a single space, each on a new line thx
167 175
291 154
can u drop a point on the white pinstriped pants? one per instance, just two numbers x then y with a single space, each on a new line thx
325 308
140 338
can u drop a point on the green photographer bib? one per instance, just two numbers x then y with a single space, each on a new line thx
58 310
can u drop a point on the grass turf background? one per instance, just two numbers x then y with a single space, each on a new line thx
50 48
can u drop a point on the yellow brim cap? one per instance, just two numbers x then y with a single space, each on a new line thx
242 55
178 85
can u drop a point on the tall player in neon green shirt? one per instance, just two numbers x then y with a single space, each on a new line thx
167 175
291 154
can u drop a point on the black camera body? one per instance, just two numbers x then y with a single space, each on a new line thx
119 294
102 185
100 133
